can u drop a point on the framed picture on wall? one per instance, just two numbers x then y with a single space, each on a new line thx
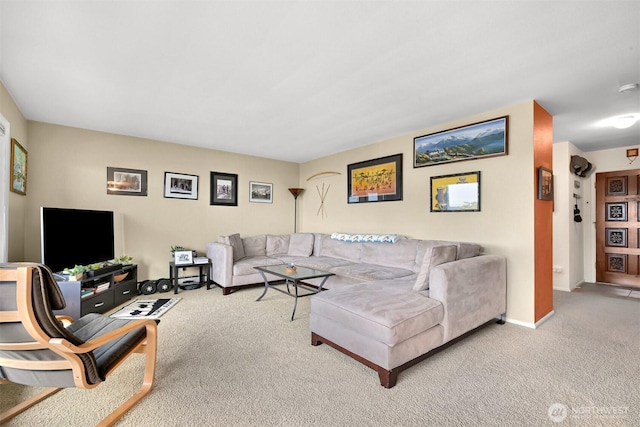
545 184
478 140
459 192
224 189
180 186
260 192
126 182
18 172
376 180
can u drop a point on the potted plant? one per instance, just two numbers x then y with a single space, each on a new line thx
124 259
76 273
173 249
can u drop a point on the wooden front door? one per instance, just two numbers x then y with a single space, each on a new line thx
618 227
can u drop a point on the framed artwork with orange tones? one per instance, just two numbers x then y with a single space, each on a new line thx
459 192
376 180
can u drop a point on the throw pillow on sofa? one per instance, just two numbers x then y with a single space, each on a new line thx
255 245
433 256
300 244
236 243
277 244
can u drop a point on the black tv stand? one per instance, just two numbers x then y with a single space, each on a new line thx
104 270
100 292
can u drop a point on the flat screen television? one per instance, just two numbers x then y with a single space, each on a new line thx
72 237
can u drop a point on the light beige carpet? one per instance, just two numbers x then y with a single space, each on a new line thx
231 361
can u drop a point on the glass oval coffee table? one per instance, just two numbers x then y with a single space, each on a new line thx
292 279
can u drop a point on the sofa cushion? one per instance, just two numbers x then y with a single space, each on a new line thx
255 245
368 272
401 254
300 244
236 243
277 244
245 266
387 311
465 250
322 262
468 250
339 249
433 256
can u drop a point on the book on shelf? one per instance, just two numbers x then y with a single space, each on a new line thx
103 286
201 260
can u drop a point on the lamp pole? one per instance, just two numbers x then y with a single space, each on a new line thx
295 192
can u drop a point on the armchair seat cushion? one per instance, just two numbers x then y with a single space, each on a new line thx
93 325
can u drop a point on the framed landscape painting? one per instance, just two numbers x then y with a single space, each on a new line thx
475 141
377 180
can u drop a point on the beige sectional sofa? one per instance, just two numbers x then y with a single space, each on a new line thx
390 304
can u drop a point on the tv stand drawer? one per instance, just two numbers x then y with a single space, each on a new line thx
99 303
124 291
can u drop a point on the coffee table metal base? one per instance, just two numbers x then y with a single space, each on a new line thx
296 284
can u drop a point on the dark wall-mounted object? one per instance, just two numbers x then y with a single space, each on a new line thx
576 211
581 166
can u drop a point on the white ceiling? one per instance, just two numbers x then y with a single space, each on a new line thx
298 80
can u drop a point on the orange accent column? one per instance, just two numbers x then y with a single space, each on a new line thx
543 214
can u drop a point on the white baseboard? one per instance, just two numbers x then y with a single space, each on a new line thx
545 318
529 324
520 323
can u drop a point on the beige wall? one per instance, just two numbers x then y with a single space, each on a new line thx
17 202
68 168
504 226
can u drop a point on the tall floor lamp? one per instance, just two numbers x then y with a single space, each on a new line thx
296 192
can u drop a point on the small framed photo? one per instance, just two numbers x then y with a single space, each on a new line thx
224 189
18 168
455 193
260 192
126 182
545 184
180 186
183 257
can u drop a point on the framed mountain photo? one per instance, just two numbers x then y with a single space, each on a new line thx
475 141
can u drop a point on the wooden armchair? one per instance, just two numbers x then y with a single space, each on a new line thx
36 349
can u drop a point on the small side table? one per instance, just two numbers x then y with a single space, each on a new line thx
173 273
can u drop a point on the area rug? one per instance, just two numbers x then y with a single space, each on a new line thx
146 308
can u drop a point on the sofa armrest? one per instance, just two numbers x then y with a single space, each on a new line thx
221 256
472 291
